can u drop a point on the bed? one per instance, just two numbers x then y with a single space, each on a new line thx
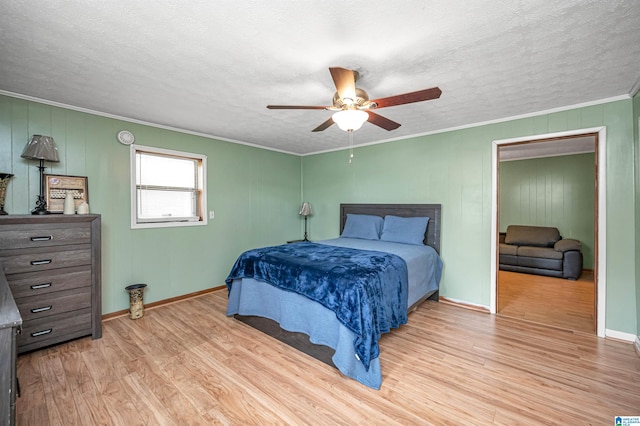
395 276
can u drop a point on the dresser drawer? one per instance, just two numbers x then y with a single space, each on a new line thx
35 283
42 259
54 329
45 305
18 236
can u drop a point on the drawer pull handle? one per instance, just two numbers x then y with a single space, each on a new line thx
42 333
43 309
47 238
40 262
39 286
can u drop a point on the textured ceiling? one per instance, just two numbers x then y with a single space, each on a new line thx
211 67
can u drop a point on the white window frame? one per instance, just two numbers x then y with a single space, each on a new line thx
169 222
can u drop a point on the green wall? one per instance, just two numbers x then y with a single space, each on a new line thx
552 191
454 168
255 194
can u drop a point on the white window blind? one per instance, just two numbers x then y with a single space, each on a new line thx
168 187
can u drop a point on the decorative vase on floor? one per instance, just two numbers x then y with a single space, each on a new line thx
4 181
136 302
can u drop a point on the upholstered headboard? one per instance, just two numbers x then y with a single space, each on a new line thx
432 235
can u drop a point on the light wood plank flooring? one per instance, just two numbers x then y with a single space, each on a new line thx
552 301
188 364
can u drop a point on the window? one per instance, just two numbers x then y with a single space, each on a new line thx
167 188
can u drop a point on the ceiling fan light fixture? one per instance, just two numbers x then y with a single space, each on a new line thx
351 102
350 120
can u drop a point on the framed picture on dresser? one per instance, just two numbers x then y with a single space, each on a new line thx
57 187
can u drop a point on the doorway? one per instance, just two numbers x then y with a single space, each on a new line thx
556 302
559 144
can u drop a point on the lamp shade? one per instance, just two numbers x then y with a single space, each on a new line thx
41 148
305 210
351 119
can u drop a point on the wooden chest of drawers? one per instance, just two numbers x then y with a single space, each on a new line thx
52 264
10 323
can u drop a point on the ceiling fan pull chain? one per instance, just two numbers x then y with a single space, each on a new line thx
350 146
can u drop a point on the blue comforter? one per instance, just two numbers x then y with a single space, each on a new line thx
367 290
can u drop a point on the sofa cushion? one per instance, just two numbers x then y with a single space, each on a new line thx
507 259
537 264
538 236
529 270
540 252
506 249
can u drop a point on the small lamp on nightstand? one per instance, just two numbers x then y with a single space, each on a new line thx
42 148
305 211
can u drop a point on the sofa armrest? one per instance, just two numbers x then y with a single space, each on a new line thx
572 265
567 244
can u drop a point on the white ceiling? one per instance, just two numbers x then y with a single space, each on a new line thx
211 67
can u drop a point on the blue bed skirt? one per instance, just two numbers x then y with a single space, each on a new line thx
296 313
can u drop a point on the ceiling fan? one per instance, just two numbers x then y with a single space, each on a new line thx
353 107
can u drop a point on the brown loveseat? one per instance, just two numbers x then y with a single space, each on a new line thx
540 250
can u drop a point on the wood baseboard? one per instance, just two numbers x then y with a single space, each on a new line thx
465 305
123 312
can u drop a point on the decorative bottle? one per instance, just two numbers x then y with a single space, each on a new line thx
69 204
83 208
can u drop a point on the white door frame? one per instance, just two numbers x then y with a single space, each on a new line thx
602 215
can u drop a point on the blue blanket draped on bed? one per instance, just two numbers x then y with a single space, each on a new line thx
367 290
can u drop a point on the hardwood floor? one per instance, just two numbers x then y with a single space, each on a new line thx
188 364
552 301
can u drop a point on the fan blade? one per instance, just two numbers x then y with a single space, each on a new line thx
324 125
345 81
408 98
295 107
381 121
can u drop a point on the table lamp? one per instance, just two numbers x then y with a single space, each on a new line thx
305 211
42 148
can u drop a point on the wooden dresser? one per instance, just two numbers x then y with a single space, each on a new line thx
53 267
10 323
